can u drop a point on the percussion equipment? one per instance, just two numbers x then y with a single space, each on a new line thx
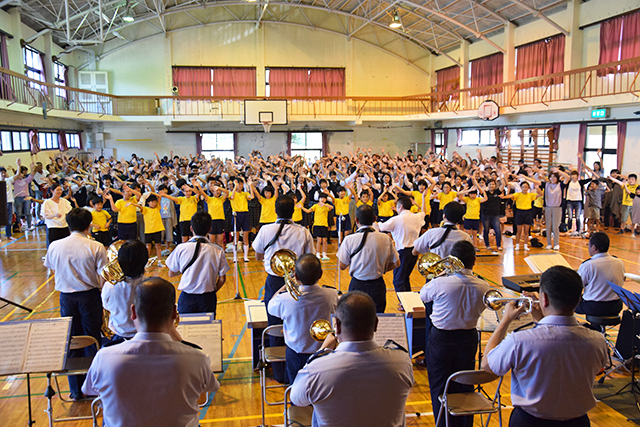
495 301
283 264
431 265
320 329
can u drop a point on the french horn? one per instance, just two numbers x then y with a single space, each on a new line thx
431 265
320 329
283 264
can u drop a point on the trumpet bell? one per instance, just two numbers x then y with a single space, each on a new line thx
490 299
320 329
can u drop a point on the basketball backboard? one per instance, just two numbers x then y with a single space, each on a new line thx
257 111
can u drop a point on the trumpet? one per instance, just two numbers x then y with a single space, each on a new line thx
431 265
495 301
283 264
320 329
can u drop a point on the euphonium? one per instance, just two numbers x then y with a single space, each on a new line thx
320 329
431 265
283 264
495 301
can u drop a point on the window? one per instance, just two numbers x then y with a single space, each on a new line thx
439 141
529 138
478 137
73 140
14 141
218 145
306 144
605 138
33 66
60 72
48 140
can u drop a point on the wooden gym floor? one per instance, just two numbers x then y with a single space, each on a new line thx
24 280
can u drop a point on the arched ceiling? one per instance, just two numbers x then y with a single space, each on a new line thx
428 26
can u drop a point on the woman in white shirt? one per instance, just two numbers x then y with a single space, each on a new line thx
55 212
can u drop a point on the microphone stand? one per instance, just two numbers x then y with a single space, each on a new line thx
340 218
236 267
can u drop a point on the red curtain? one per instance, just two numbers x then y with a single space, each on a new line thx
62 141
289 82
610 33
582 139
234 82
80 141
198 143
448 79
34 142
539 59
630 43
192 81
326 82
445 136
622 136
487 71
325 143
433 140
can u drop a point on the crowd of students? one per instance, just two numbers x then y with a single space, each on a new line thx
154 199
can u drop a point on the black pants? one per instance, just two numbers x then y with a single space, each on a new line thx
521 418
376 289
198 303
401 281
272 285
102 237
295 362
56 233
127 231
447 353
599 308
85 308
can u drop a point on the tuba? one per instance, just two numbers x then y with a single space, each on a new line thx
320 329
112 273
494 300
283 264
431 265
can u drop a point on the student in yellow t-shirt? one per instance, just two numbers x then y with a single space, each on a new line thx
320 224
101 220
127 213
267 202
297 210
628 188
215 207
342 202
524 212
416 196
446 196
240 205
386 205
472 214
365 198
153 226
188 207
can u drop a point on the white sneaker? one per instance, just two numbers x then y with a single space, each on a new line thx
526 247
556 248
548 247
325 258
33 227
517 248
160 264
318 255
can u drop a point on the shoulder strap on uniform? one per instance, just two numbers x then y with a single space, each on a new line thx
190 344
365 232
318 354
199 241
588 259
444 236
282 223
392 345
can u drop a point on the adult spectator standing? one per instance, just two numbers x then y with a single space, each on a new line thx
55 212
9 182
21 183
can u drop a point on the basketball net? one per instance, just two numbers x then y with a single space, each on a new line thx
267 126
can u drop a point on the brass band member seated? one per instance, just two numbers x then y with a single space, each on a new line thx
297 316
117 298
153 379
553 366
368 254
453 339
360 383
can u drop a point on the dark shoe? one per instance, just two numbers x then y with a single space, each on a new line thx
627 230
620 232
76 397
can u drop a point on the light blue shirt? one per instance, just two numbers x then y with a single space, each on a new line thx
361 384
294 237
553 367
431 237
371 262
117 299
297 316
595 273
457 300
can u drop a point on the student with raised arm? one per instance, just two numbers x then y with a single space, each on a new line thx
267 202
629 188
472 214
188 207
320 224
524 217
239 204
127 217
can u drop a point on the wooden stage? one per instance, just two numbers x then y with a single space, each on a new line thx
24 280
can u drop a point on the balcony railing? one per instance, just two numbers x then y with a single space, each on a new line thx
616 78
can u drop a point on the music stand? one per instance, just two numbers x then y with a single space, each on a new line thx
632 301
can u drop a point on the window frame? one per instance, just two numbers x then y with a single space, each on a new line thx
209 153
48 140
492 137
30 70
299 151
59 72
605 151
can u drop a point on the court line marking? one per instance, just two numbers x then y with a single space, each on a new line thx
35 310
27 299
11 242
576 246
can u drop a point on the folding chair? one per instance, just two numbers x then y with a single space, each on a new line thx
471 403
296 416
270 355
605 322
73 366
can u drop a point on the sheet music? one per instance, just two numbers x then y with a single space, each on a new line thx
13 337
392 327
47 346
489 320
257 313
540 263
206 335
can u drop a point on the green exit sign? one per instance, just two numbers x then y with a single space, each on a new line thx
600 113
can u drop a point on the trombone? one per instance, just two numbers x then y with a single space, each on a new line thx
320 329
495 301
283 264
431 265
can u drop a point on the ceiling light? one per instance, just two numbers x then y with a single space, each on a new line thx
396 23
128 14
250 1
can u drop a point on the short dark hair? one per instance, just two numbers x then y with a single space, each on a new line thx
600 240
357 312
323 196
364 214
133 257
201 223
270 189
563 286
180 182
465 252
152 198
95 200
163 187
633 175
454 212
79 219
308 269
285 206
155 300
405 202
422 182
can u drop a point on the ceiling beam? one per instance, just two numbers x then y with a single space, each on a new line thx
539 14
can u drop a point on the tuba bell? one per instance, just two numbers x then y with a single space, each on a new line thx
283 264
431 265
320 329
494 300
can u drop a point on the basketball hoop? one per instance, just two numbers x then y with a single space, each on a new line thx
266 124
